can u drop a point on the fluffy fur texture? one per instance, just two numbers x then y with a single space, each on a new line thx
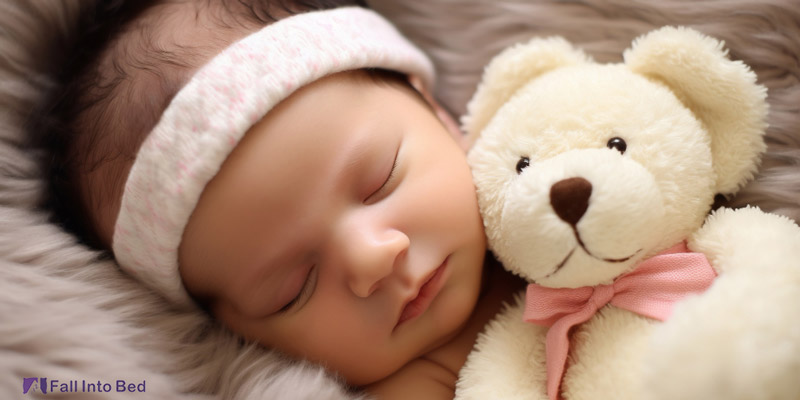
693 122
66 312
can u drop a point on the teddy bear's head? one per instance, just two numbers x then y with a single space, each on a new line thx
584 169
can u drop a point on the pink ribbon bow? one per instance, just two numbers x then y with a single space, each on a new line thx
650 290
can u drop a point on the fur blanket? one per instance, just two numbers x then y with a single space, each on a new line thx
68 313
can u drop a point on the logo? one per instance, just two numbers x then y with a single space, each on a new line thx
45 385
33 385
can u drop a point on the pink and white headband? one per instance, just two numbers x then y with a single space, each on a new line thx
209 116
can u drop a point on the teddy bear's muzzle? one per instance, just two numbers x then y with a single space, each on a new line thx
583 216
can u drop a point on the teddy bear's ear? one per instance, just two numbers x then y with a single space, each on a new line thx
512 69
722 93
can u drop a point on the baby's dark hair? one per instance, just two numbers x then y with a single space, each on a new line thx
97 113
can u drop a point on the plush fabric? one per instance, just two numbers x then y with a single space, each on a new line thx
614 163
68 313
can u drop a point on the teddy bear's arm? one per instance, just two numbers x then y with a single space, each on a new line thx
741 338
507 361
750 239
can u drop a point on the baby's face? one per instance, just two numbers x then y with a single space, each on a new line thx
343 229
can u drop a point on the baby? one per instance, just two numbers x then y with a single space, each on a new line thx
295 179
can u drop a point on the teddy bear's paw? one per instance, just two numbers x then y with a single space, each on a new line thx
507 361
738 340
750 239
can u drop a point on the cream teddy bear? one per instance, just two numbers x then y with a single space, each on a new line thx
593 179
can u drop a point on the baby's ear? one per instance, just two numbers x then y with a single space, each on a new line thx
512 69
722 94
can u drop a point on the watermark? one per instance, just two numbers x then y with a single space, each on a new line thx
45 385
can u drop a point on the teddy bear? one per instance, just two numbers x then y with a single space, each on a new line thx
596 184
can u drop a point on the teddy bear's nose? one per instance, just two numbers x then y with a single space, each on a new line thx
570 198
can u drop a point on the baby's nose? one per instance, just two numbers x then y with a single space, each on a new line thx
373 256
570 199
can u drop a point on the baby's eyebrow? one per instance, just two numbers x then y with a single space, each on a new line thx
358 152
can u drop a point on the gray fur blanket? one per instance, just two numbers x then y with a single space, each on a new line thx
67 313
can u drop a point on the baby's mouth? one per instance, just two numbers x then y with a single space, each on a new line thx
425 295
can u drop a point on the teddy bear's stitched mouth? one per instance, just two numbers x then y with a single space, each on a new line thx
585 250
560 265
610 260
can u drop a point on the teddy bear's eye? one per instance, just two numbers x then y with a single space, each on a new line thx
523 163
617 143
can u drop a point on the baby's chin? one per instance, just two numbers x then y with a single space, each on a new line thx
361 372
365 374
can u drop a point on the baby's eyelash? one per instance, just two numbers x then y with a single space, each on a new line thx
305 292
391 174
389 178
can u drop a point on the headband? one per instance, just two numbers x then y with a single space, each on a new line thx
208 117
